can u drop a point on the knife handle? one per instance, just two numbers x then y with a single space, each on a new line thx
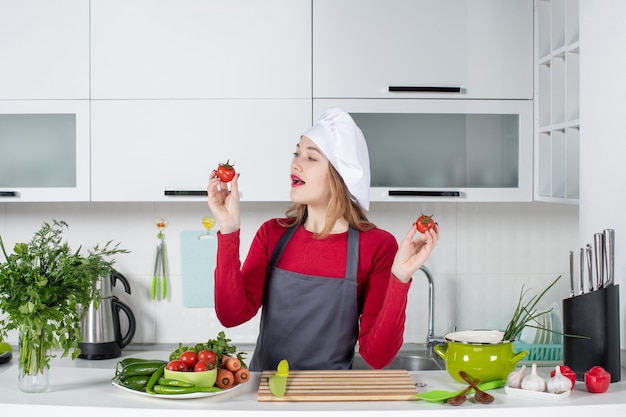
609 255
571 273
581 289
589 267
598 242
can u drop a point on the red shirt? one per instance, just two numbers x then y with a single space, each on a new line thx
382 298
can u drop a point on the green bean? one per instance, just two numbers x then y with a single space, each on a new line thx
154 378
169 390
173 382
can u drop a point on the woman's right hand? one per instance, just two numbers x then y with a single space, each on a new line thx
224 203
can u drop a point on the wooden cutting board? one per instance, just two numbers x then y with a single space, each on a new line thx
348 385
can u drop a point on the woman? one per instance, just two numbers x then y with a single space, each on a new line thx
325 276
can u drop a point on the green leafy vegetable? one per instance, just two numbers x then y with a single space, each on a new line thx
42 285
526 313
220 346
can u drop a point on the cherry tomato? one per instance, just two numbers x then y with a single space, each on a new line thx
176 365
201 367
597 380
206 356
225 171
189 359
425 223
566 371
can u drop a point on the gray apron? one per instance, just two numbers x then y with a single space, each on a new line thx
311 321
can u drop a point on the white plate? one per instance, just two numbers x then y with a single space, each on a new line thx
176 396
540 322
526 393
546 335
528 335
557 323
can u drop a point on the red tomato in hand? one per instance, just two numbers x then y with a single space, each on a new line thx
225 171
206 356
189 359
176 365
425 223
567 372
597 380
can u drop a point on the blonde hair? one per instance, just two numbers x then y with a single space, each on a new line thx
339 206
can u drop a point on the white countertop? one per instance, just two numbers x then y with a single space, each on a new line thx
85 386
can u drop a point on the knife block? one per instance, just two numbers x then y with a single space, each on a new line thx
596 316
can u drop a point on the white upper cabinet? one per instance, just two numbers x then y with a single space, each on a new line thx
557 103
189 49
164 150
44 150
44 49
482 48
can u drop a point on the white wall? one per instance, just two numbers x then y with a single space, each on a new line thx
602 148
486 253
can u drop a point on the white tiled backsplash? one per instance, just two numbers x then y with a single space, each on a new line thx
486 253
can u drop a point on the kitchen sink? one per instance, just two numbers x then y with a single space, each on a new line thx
404 361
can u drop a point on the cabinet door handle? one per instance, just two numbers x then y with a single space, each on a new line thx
185 193
411 193
424 89
9 194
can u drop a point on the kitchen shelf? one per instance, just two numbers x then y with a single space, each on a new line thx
557 103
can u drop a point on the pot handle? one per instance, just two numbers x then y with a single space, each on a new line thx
518 357
441 350
118 305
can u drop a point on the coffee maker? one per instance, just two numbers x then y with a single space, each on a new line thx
100 326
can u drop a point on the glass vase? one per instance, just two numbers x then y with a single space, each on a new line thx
33 359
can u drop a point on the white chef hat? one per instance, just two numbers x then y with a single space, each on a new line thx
343 143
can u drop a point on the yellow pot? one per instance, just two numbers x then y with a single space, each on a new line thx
481 353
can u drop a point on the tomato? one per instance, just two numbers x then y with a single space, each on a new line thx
201 367
206 356
566 371
425 223
189 359
597 380
176 365
225 171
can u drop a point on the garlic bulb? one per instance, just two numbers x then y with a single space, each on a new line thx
534 382
559 383
514 380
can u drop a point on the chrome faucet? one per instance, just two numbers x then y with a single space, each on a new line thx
431 340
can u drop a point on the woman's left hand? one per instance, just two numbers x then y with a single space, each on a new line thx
412 254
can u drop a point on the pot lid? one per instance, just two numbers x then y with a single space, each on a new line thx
476 336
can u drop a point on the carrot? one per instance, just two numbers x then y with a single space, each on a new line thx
242 375
231 363
225 378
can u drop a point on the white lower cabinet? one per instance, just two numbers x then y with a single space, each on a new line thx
164 150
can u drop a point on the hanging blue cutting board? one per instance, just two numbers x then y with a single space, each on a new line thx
198 252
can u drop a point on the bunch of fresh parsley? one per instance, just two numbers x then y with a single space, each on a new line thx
42 285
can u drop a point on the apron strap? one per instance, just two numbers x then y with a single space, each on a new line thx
352 259
352 256
281 245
